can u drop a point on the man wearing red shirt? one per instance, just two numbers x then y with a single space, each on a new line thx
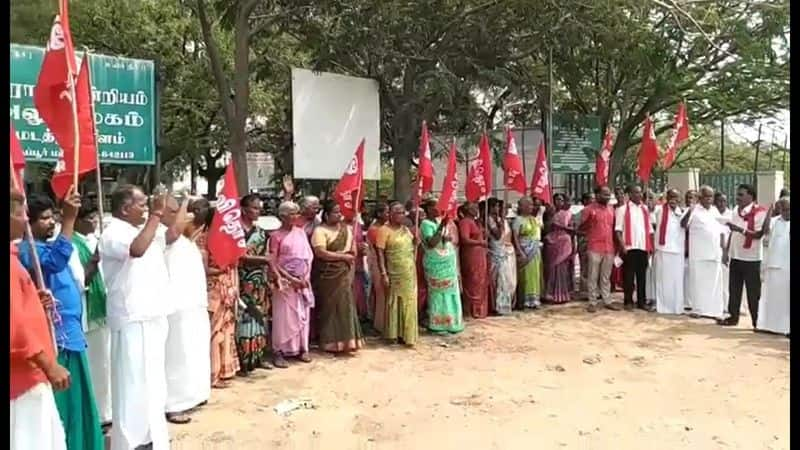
35 423
597 224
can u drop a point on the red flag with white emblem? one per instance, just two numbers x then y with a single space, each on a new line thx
479 177
347 192
448 204
603 162
680 134
425 162
512 165
540 183
226 242
648 152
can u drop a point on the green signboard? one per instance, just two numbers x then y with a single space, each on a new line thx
576 141
124 104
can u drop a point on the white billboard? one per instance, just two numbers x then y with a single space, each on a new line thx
330 115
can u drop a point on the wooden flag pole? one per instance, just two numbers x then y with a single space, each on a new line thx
97 147
37 267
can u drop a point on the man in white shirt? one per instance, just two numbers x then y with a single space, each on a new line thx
188 348
137 279
725 213
706 242
748 224
774 309
690 199
669 261
634 233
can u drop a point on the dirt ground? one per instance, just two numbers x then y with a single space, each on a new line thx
552 379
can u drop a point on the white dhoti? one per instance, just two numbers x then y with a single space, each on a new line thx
669 282
139 385
687 293
773 309
188 359
705 288
650 280
98 351
35 423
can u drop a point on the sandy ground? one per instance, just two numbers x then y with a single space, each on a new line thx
552 379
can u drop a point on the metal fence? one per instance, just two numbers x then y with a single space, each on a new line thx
577 183
727 182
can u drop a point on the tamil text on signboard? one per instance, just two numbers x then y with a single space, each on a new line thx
576 141
124 98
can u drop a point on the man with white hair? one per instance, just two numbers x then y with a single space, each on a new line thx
774 309
706 244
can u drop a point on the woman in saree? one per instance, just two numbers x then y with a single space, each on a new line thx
223 298
441 273
377 295
334 257
293 298
474 273
360 275
559 254
502 259
527 230
251 336
396 263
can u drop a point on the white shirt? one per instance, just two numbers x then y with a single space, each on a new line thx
779 246
138 288
675 236
639 230
756 250
704 234
187 276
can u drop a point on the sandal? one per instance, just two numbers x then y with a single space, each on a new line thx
279 362
305 357
224 384
178 418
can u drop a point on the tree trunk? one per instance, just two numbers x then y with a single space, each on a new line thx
241 83
617 158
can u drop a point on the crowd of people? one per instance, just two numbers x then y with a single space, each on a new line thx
135 324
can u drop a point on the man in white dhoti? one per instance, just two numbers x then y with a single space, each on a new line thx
34 371
98 339
774 310
690 199
749 224
706 243
668 259
188 348
650 289
725 213
137 279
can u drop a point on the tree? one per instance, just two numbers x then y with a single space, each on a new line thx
726 58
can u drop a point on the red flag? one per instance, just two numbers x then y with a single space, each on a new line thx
648 152
226 242
680 134
479 177
603 161
52 93
448 204
17 158
87 162
540 183
425 172
512 165
347 193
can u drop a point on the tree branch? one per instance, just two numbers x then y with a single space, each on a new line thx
215 60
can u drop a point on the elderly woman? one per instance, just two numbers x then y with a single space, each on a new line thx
502 259
395 246
293 299
527 233
335 254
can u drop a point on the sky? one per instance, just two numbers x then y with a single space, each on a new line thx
742 132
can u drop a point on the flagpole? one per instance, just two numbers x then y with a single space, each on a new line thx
550 117
97 147
37 267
